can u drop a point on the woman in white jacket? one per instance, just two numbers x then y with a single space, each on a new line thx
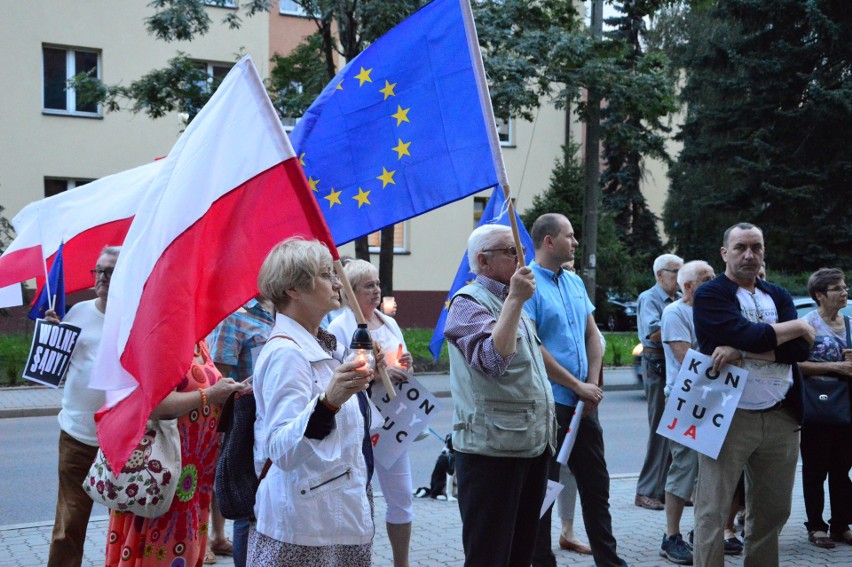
313 507
395 480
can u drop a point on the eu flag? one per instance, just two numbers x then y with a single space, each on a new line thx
404 128
493 214
56 286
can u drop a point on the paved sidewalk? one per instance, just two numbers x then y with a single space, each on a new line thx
436 538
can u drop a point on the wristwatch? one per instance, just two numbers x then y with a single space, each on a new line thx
330 406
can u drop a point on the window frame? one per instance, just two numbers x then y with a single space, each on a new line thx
509 142
297 11
70 183
377 238
70 94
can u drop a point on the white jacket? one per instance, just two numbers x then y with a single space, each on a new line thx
316 492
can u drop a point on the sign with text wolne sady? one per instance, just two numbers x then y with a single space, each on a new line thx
50 352
702 403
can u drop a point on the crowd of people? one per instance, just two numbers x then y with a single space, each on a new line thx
525 356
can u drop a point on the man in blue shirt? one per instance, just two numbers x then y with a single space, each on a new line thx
572 352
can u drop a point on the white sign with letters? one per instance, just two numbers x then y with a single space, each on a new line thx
403 418
702 403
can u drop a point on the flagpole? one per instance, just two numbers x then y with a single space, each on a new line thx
514 222
359 318
50 300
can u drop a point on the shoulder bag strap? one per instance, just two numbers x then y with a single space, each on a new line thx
848 333
268 464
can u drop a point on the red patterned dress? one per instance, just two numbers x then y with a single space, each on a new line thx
178 538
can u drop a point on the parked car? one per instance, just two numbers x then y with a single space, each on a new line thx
805 304
622 314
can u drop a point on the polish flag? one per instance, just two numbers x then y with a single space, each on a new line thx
87 218
230 189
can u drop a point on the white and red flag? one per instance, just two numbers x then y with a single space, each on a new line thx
229 190
86 219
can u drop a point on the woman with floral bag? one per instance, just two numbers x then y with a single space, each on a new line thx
178 537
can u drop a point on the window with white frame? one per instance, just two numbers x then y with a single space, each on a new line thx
56 185
221 3
59 65
290 8
400 239
506 132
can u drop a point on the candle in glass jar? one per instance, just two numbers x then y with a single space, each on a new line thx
389 305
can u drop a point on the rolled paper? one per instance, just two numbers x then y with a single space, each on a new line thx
571 436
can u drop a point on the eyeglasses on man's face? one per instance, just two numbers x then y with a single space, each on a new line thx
508 251
105 273
669 270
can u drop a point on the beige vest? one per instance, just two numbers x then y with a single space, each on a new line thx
509 416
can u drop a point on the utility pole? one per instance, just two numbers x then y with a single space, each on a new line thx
592 166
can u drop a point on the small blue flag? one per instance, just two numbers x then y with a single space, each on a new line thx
56 284
493 214
404 127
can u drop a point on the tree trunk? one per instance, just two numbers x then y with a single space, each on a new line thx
362 249
386 261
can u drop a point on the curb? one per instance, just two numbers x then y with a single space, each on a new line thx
29 412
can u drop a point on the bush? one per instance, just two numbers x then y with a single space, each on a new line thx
417 341
13 356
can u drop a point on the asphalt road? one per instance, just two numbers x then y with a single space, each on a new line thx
28 453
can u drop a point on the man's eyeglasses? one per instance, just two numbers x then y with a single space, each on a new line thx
508 251
669 270
106 272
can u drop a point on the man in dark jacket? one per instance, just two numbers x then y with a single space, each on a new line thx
742 319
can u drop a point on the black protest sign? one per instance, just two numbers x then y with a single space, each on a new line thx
50 352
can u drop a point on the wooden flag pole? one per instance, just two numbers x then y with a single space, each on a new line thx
515 234
359 317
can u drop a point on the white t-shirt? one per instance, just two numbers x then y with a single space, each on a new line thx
768 382
79 402
677 326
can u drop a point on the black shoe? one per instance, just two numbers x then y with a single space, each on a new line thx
676 550
733 546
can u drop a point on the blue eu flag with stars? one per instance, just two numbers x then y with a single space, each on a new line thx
493 214
403 128
56 283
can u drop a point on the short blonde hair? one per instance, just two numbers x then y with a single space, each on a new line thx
357 271
293 263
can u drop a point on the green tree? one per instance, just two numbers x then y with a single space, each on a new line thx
768 96
617 269
640 96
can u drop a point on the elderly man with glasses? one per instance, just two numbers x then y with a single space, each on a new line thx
78 440
649 312
504 427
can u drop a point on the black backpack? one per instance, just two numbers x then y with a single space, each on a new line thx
236 482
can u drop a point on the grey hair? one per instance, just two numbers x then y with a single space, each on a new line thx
821 279
483 238
110 251
664 260
291 264
687 272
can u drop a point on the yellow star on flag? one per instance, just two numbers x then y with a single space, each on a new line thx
313 182
302 159
388 90
364 77
401 115
386 177
333 198
362 197
339 86
401 148
468 282
447 304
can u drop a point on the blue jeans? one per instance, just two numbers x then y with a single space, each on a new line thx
240 540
